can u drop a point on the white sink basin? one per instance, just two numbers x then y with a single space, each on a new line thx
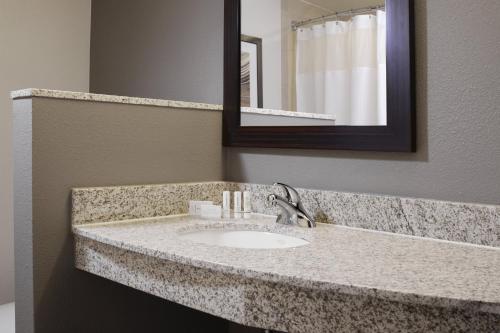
244 239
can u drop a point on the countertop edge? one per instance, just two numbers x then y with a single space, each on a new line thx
284 113
92 97
390 295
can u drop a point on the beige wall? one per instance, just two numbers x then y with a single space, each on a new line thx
63 144
42 44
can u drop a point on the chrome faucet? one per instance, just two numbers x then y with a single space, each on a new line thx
292 209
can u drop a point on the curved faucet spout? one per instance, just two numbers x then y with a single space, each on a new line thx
291 194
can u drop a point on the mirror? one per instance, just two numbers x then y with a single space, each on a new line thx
321 59
320 74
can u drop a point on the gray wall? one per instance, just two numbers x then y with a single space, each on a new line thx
42 44
458 105
458 70
63 144
168 49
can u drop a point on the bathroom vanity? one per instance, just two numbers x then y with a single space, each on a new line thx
335 78
339 279
375 263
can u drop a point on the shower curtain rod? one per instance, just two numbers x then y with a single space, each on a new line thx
297 24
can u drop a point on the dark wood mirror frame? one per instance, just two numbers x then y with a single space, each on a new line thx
398 136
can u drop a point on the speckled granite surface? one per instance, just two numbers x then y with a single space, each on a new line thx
103 204
470 223
283 113
345 280
81 96
461 222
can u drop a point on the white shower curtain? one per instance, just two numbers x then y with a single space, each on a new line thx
341 70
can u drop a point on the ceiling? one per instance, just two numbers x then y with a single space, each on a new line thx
339 5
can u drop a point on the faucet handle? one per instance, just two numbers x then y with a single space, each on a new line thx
291 194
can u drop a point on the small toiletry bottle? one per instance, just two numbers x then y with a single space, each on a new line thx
247 202
237 203
226 204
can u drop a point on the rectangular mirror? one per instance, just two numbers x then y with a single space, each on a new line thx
322 59
320 74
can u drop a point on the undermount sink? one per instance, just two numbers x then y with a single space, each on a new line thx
244 239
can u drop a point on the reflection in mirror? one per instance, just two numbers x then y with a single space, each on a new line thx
313 63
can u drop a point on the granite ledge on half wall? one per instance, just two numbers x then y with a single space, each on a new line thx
460 222
90 97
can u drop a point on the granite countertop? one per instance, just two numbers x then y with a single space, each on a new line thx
82 96
340 259
282 113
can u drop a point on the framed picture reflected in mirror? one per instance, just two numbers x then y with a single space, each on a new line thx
251 72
